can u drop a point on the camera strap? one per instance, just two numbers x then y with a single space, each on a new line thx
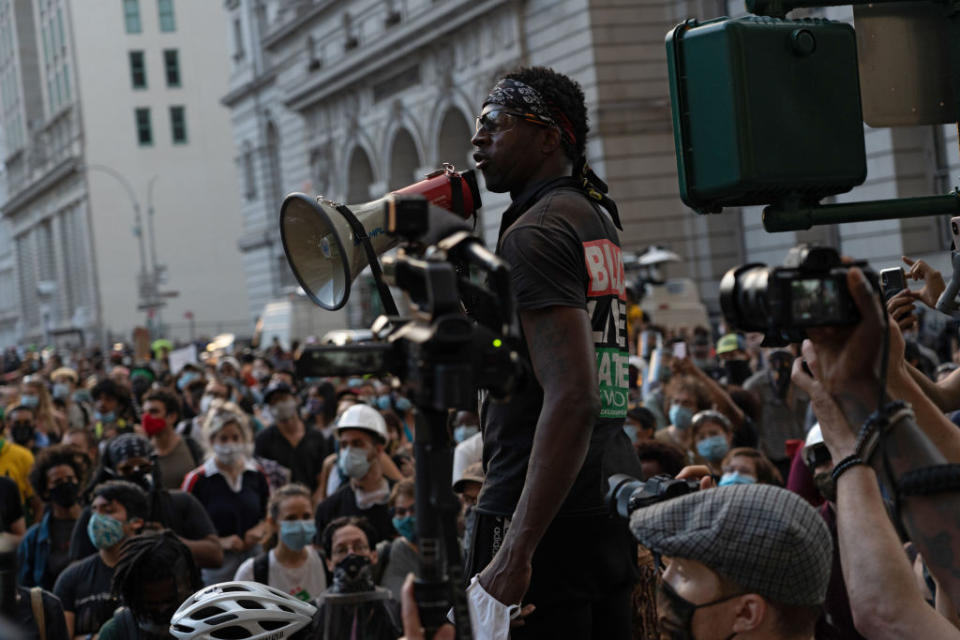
360 234
927 481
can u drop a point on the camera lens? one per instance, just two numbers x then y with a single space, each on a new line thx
743 297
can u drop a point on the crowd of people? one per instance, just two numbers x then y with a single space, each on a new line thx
126 486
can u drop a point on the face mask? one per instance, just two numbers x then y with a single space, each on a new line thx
29 400
826 485
108 417
82 395
353 574
315 407
737 371
383 402
152 425
65 494
402 404
284 410
205 403
22 432
735 477
632 432
681 417
61 391
780 376
228 454
297 534
713 448
262 375
407 527
186 379
353 462
465 431
355 382
104 531
679 612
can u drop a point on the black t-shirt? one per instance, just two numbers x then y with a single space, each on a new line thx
11 509
84 589
187 519
54 623
304 462
59 558
343 502
563 251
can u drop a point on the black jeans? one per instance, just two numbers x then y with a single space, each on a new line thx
584 571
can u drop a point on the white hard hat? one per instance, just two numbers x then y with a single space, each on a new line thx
365 417
240 610
814 437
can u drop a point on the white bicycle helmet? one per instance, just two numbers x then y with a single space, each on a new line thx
240 611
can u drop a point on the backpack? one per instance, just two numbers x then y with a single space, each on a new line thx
261 568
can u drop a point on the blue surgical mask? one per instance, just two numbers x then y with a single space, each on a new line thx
186 379
632 432
713 448
29 400
61 390
297 534
735 477
383 402
108 417
681 417
353 462
407 527
402 404
104 531
465 431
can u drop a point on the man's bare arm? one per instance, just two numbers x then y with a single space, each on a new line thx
561 349
944 394
207 552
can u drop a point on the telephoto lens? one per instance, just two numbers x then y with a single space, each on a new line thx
627 494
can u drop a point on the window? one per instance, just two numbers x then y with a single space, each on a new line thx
248 172
165 9
144 130
178 125
171 63
138 70
238 51
66 82
131 15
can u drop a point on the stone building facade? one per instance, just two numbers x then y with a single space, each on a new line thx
352 99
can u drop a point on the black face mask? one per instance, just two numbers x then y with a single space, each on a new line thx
22 432
353 574
141 478
676 613
737 371
65 494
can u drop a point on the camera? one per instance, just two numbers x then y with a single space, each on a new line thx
627 494
809 290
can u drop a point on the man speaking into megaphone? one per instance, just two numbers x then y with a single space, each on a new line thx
542 535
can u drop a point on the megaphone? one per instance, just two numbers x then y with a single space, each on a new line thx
328 244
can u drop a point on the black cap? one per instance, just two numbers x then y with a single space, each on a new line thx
274 389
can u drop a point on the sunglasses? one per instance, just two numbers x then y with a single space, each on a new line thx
500 120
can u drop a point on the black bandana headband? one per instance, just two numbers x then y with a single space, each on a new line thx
128 445
521 97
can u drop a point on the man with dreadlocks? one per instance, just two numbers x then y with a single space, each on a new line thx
154 575
542 534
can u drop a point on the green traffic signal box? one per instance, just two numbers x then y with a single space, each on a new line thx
765 110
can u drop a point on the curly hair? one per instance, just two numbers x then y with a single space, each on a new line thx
562 94
150 558
55 456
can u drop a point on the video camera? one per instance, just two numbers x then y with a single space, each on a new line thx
809 290
627 494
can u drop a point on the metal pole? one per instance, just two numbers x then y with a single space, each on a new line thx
138 222
787 218
155 272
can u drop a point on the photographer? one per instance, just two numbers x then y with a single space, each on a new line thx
844 388
547 449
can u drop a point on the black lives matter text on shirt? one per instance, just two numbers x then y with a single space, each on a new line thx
563 251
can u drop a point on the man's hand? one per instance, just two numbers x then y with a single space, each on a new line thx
847 359
901 308
698 472
933 284
506 579
231 543
837 433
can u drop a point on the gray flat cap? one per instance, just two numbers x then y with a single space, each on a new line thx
766 539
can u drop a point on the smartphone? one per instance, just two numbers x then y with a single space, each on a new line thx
680 350
893 280
955 230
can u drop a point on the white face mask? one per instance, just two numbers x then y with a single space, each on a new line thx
228 453
205 403
284 410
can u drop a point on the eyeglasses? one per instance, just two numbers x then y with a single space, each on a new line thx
357 547
500 120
